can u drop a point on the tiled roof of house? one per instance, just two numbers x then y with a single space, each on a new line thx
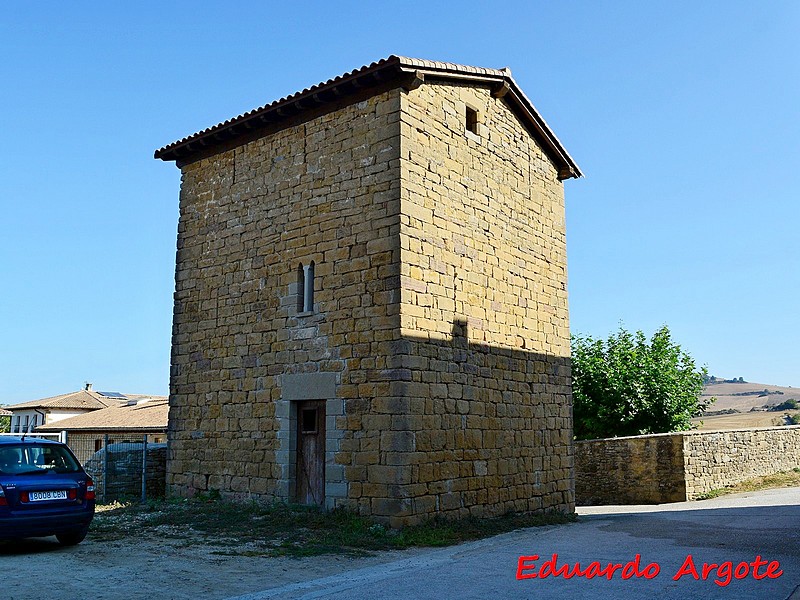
391 71
4 412
146 415
85 399
82 399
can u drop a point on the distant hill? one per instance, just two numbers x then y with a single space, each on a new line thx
745 396
747 404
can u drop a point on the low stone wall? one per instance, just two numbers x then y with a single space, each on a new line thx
714 459
672 467
645 469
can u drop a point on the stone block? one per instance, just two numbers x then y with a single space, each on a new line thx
398 441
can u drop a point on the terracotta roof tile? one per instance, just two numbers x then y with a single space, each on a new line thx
82 399
85 399
146 415
394 68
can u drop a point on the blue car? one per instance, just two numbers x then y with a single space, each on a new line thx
43 491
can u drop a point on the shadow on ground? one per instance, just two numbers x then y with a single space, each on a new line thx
30 546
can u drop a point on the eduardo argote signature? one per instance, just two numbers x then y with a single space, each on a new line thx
723 573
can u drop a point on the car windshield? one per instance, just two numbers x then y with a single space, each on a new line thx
32 458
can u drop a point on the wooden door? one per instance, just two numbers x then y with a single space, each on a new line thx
310 471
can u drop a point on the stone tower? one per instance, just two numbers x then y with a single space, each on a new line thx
370 303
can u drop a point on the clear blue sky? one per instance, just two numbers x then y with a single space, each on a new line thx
684 116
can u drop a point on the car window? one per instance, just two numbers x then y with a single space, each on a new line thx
36 458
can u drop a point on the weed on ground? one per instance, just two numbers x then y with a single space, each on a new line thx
767 482
255 529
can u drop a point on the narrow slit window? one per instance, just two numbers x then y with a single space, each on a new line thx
308 291
472 120
301 287
305 287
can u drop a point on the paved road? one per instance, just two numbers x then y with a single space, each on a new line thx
736 529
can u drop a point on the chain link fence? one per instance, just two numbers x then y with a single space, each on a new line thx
122 469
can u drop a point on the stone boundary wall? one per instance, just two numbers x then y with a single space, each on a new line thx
646 469
673 467
715 459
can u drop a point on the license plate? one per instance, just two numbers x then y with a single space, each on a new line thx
52 495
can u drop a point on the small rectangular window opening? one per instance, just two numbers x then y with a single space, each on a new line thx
472 120
308 420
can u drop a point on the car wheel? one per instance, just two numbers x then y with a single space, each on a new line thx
71 538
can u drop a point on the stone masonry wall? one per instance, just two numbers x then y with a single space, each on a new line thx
719 458
326 190
647 469
485 331
679 466
439 336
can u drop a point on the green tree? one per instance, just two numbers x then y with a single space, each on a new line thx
5 424
790 404
626 385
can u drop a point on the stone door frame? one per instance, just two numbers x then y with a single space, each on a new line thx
295 388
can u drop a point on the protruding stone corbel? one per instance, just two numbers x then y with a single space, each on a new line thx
413 81
566 173
501 90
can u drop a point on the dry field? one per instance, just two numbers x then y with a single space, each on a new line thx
743 397
740 421
729 395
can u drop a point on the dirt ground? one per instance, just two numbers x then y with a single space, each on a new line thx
166 569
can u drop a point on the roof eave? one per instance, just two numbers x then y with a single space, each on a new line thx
401 71
114 428
289 106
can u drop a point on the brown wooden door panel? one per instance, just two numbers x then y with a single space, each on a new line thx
310 488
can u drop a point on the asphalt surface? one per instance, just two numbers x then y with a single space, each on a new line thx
758 527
